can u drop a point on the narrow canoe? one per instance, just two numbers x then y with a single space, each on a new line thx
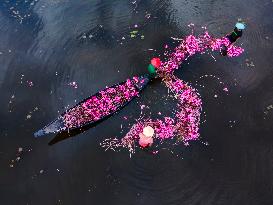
97 107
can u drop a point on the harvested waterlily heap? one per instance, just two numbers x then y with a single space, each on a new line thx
100 105
185 125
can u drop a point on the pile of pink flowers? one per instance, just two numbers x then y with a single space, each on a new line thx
99 106
192 45
188 111
185 125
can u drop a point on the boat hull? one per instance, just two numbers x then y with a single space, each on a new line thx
61 124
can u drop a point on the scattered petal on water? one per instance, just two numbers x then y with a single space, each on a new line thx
142 107
73 84
147 16
30 83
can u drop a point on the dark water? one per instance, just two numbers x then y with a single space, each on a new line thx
51 43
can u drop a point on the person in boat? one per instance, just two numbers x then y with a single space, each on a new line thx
155 63
236 33
146 137
233 36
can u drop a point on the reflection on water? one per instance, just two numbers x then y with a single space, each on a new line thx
52 43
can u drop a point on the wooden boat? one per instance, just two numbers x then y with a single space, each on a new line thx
61 124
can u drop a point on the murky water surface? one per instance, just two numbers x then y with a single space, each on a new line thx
47 44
